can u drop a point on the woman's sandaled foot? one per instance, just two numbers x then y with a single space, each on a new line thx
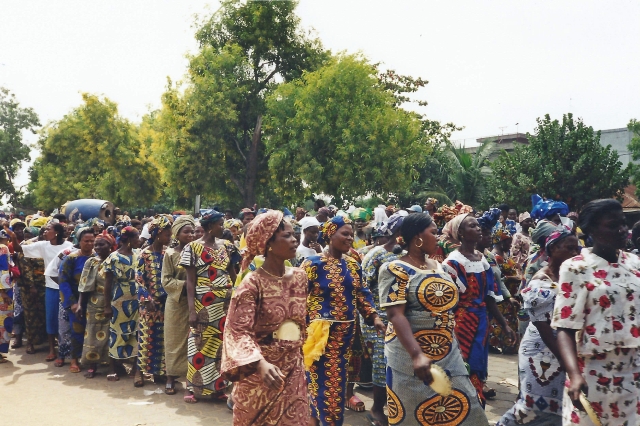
51 357
17 343
190 399
113 377
488 392
138 380
74 368
374 421
170 388
91 373
30 349
59 362
355 404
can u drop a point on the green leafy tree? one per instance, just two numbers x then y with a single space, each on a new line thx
14 120
563 161
214 127
634 149
93 153
339 131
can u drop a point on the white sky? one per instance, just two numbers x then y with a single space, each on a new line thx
489 63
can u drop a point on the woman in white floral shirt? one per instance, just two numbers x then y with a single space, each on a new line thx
596 314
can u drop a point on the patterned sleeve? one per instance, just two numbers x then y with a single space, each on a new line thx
5 278
457 272
65 278
364 298
571 301
392 284
88 277
240 351
187 258
232 251
110 265
538 298
142 278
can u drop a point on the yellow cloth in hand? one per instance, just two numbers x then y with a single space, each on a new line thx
317 338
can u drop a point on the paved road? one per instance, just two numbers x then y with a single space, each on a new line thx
55 397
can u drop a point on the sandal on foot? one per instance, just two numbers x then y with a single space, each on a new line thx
51 357
59 362
138 382
113 377
355 404
74 369
372 420
489 393
17 343
190 399
30 350
91 373
170 388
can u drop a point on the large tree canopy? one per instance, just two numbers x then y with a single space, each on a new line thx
339 131
213 145
564 161
93 153
13 151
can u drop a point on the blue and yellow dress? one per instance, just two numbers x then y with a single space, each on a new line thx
151 358
6 302
336 290
124 303
429 297
69 280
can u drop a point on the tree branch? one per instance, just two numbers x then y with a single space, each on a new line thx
239 149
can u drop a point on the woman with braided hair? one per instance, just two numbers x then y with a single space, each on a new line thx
152 298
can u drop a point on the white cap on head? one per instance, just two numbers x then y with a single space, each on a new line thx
308 221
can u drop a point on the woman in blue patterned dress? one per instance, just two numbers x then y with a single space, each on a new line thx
121 299
336 290
419 298
152 299
69 275
479 293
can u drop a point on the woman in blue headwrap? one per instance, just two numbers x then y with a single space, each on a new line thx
210 265
152 298
335 292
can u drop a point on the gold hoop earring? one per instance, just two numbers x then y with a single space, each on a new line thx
270 248
421 242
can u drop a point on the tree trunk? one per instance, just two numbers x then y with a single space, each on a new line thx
252 165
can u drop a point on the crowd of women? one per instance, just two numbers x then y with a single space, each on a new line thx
281 314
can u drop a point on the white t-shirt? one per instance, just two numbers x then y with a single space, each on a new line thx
145 232
45 250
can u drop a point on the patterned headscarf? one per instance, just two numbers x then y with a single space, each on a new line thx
80 229
392 225
543 209
489 218
361 214
232 223
259 232
556 237
159 223
3 235
108 238
330 227
128 232
523 216
452 228
500 234
210 216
